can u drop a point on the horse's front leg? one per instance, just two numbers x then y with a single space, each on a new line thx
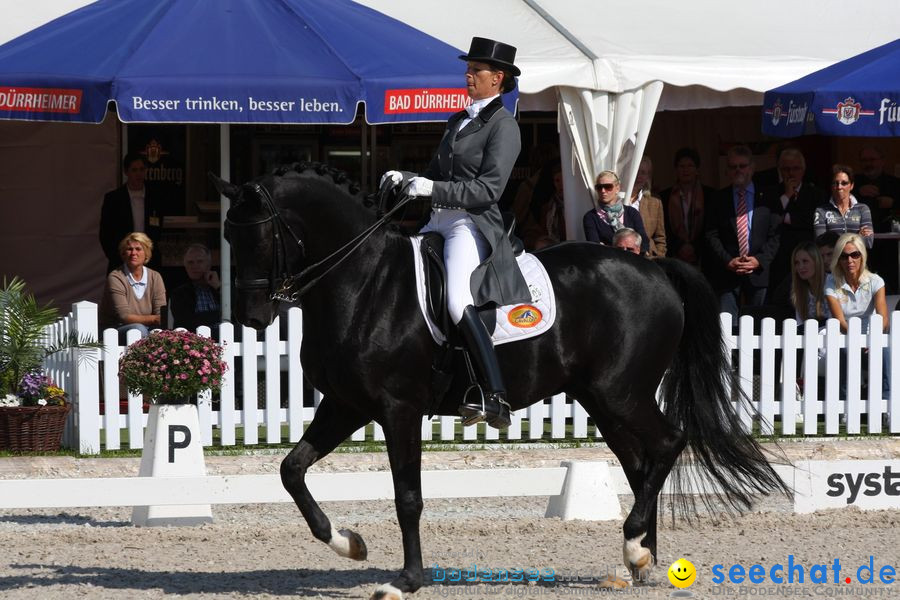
330 426
403 435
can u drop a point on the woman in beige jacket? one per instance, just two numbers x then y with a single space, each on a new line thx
134 293
650 208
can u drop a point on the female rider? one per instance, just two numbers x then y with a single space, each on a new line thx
464 180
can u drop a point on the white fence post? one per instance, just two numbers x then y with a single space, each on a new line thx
812 341
86 380
875 394
204 403
226 395
746 346
273 382
767 378
789 346
854 342
295 375
111 420
894 401
248 369
834 340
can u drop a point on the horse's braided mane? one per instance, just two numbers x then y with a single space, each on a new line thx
340 178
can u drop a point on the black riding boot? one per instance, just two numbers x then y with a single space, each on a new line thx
490 404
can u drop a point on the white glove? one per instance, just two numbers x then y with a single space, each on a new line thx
419 186
395 176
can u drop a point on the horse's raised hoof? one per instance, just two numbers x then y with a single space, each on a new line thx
638 559
386 592
348 544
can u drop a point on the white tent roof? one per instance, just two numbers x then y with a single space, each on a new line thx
718 45
618 46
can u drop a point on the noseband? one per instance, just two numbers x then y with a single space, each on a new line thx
282 234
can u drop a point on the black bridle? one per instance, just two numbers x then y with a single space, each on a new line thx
282 287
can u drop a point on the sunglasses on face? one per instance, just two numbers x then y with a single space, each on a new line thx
738 166
855 255
839 183
608 187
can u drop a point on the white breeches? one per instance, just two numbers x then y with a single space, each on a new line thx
464 249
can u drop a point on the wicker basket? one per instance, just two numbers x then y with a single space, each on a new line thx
32 428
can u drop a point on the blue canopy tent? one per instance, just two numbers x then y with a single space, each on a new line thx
859 96
230 61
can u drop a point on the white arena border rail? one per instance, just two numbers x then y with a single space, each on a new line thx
578 489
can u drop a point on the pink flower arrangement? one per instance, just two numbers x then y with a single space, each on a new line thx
171 365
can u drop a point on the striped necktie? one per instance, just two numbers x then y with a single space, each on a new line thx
743 231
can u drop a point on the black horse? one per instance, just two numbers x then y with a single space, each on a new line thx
624 324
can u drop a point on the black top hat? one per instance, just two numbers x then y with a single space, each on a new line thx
493 53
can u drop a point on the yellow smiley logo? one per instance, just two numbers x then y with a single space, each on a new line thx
682 573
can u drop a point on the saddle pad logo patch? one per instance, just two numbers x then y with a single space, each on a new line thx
524 316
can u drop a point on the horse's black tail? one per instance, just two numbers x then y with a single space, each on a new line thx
724 461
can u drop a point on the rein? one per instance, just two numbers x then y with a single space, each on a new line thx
287 293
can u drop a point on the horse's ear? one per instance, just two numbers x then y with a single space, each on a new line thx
225 188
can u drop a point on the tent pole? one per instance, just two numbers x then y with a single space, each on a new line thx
373 173
225 204
363 162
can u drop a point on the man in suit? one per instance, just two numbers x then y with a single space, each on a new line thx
196 302
465 180
876 188
794 202
131 207
741 236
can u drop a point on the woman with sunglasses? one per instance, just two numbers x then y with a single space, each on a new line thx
601 223
843 213
853 291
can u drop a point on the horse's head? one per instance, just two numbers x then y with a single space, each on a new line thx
264 248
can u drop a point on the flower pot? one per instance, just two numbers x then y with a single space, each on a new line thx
32 428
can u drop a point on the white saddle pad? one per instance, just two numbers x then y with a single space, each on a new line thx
514 321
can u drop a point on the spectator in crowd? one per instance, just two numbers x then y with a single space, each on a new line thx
875 188
132 207
545 219
843 213
540 157
134 294
742 237
650 208
196 302
794 202
825 243
627 239
611 214
808 283
683 205
853 291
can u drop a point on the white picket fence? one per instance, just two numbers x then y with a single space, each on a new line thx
90 377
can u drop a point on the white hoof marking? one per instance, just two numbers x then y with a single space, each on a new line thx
339 543
386 592
638 559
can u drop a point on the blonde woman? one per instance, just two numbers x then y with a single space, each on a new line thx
853 291
601 224
134 293
808 283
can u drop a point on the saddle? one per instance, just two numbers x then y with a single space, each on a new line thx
432 250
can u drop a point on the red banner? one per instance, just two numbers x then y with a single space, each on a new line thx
49 100
425 100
